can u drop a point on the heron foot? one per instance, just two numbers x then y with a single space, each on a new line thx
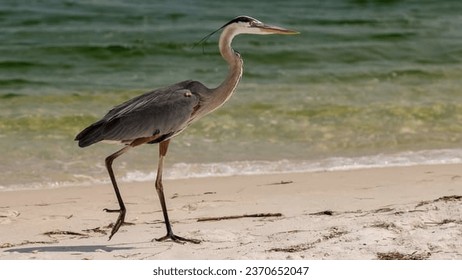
119 222
176 238
112 210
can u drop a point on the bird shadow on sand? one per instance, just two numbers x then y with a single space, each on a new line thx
80 248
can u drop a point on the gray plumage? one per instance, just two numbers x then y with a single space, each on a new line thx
159 115
163 112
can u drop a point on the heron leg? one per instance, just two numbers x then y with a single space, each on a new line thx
163 147
122 210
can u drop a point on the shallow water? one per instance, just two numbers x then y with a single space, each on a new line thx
364 80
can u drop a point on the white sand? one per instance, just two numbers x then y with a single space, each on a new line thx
400 212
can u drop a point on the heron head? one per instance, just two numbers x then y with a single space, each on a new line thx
249 25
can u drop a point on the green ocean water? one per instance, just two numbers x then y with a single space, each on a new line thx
365 83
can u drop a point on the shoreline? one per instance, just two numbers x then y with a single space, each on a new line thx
402 212
181 170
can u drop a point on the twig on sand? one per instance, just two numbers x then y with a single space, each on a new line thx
443 198
323 213
64 232
402 256
258 215
282 182
27 242
96 230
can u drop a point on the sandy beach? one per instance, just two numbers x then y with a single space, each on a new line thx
383 213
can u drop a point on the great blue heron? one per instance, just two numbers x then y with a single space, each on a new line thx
157 116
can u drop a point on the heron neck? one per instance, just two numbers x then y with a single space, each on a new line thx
227 87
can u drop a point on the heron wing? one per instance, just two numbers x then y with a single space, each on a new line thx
163 112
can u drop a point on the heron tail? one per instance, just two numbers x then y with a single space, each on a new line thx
90 135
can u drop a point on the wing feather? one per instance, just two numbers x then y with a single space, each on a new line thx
164 112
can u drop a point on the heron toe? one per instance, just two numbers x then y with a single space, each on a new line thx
112 210
177 239
119 222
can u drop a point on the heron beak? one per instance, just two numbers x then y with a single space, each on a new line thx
271 29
